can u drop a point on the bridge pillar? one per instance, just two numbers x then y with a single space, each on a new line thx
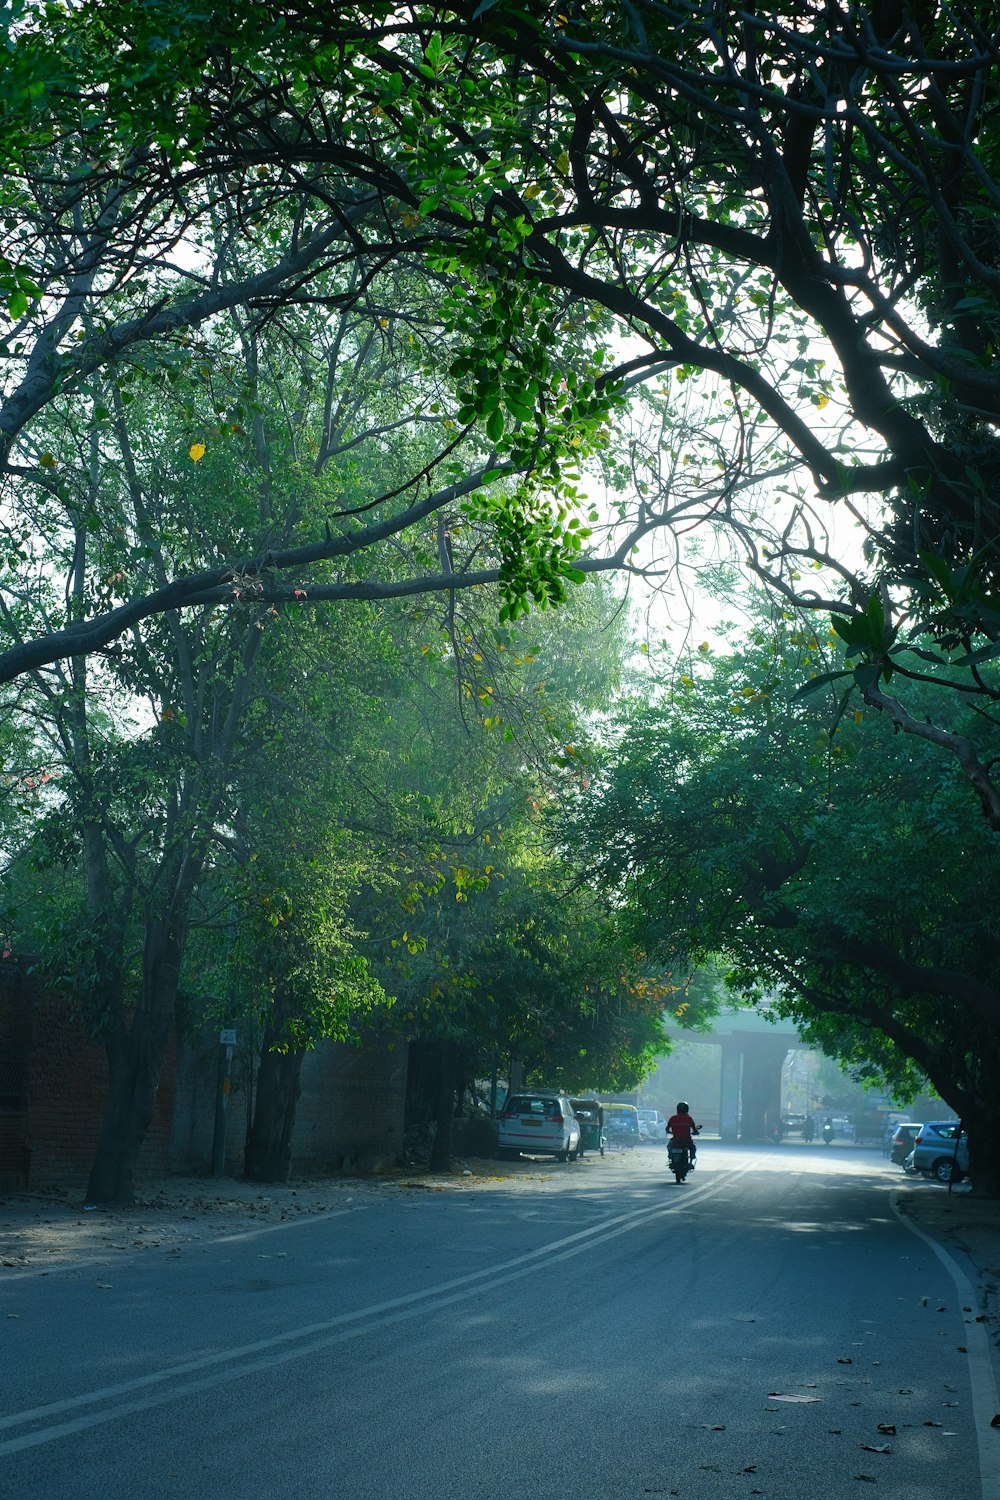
763 1060
729 1098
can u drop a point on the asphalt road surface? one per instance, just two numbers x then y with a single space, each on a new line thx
769 1328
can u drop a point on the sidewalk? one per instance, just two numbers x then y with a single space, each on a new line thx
41 1232
969 1229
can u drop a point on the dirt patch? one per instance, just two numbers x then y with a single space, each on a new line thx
44 1231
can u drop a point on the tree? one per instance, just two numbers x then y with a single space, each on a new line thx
728 817
141 218
149 740
791 210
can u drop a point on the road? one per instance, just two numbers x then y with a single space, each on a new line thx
769 1328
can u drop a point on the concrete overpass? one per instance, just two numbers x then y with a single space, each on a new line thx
754 1050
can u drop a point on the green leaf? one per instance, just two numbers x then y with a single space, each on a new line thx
866 674
822 680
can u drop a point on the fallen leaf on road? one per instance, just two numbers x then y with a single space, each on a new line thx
103 1286
777 1396
717 1427
835 1431
888 1428
872 1448
933 1424
996 1420
866 1478
845 1361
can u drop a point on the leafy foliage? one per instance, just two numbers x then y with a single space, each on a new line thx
829 868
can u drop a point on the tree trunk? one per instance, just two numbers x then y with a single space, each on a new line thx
269 1145
982 1127
135 1060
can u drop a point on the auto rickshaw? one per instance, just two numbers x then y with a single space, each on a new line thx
590 1114
622 1125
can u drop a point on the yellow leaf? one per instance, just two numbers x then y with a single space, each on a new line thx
47 461
196 451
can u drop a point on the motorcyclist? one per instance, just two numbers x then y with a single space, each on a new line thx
682 1130
828 1130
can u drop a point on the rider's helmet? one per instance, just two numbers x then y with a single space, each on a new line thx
682 1108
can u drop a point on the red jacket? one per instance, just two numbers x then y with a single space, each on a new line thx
682 1128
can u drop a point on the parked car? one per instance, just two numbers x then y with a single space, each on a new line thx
539 1122
901 1143
934 1151
652 1125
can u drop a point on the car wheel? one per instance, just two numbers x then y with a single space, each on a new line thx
945 1170
574 1154
562 1155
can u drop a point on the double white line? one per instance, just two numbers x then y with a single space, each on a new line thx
74 1414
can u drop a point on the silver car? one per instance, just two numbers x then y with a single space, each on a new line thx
652 1125
934 1151
539 1122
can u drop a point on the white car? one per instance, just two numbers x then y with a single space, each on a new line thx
652 1126
539 1122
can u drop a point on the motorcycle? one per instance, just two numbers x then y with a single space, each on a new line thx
679 1159
828 1133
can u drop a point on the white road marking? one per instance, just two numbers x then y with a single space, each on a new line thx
981 1376
264 1354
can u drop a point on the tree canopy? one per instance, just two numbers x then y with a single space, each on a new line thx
831 869
780 221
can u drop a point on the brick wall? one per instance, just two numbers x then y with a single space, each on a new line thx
52 1139
350 1113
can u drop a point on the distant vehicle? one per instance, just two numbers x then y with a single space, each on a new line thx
652 1125
621 1125
843 1128
539 1122
933 1152
792 1121
901 1144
